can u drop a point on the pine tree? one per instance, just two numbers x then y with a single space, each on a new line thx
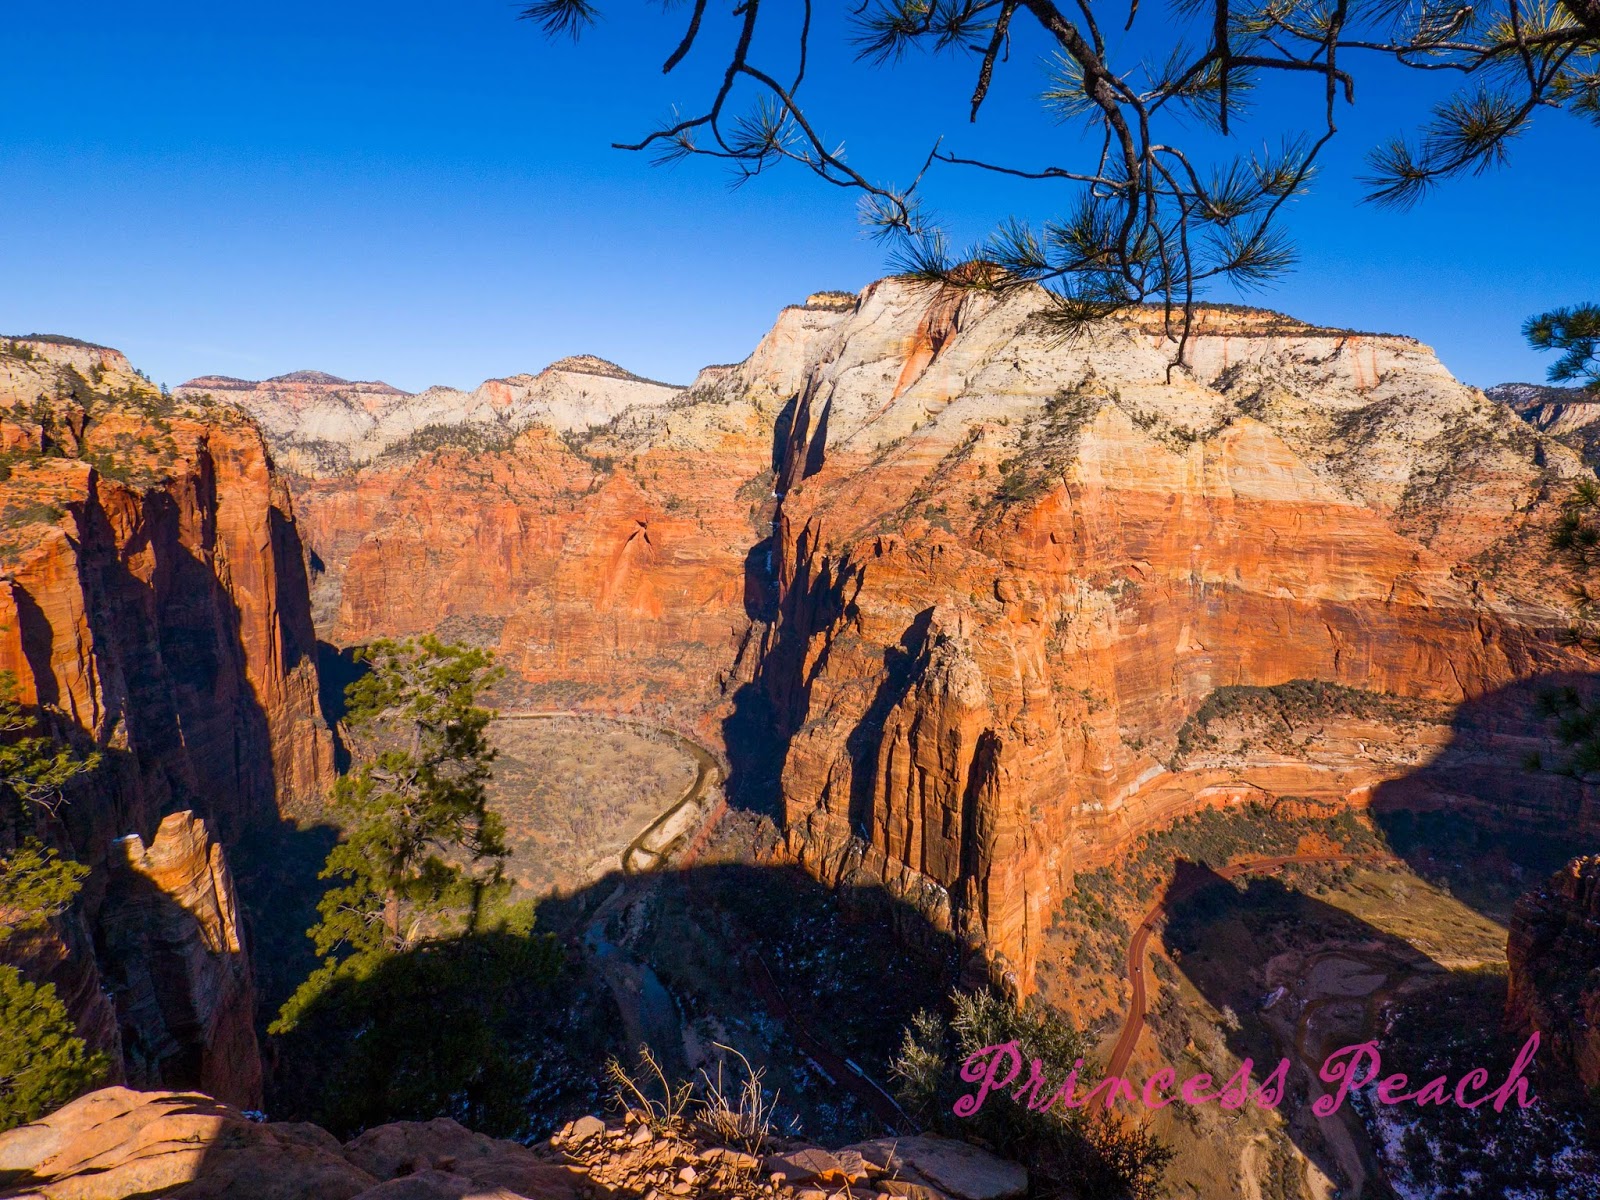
416 922
422 856
34 766
35 885
43 1063
1576 331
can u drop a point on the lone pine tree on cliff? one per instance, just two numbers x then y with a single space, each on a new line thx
1160 211
422 852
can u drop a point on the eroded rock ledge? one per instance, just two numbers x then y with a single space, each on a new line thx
118 1144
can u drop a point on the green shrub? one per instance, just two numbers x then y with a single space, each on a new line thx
37 513
1097 1156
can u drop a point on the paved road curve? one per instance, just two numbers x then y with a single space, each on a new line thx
648 1012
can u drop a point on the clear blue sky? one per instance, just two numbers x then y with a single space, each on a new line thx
425 193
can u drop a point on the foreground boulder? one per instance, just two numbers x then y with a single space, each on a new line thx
119 1144
395 1151
116 1144
955 1168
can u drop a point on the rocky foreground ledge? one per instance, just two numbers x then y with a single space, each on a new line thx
117 1144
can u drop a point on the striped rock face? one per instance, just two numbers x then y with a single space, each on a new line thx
153 600
1013 568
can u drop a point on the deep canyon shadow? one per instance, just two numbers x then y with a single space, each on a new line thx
516 1032
1226 937
337 668
1479 819
1303 978
756 746
1482 817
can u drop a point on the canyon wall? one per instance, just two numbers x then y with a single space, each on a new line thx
154 604
960 596
319 424
616 564
1553 948
1014 566
176 961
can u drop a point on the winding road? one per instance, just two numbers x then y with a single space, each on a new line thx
1133 1025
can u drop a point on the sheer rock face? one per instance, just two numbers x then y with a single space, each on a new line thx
1011 569
1554 952
154 598
178 966
155 594
973 582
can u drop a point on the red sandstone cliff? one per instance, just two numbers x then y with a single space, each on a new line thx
1011 569
153 598
619 569
177 963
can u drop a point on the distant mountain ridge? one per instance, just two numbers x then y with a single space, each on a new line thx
319 424
1570 414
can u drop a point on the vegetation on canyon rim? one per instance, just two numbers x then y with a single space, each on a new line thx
1075 1152
1153 220
43 1063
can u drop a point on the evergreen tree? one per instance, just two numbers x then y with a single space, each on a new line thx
422 857
1576 332
43 1063
35 885
34 766
415 923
